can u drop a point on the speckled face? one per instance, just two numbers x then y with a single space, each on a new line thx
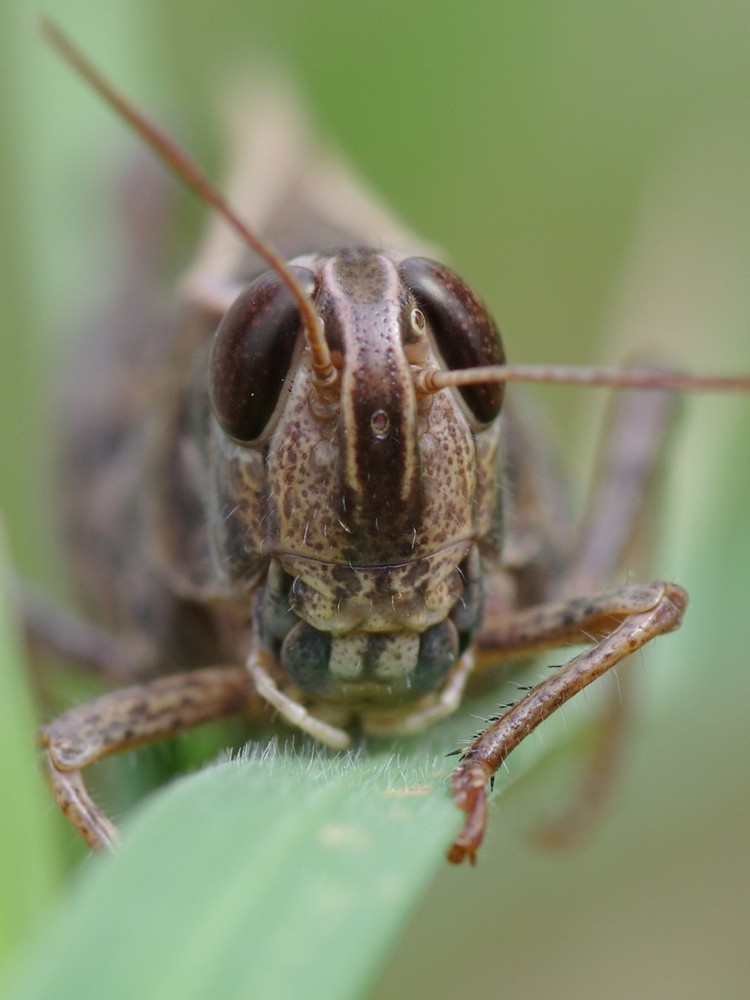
370 506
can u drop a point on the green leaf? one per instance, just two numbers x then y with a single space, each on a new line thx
283 873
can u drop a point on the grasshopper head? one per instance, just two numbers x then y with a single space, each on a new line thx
375 495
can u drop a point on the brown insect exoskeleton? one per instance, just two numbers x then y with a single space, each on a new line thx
306 494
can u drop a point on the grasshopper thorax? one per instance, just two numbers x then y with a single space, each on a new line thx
371 497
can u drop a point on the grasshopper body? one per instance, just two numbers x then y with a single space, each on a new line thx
305 491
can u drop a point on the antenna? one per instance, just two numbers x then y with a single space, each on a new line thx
186 169
625 378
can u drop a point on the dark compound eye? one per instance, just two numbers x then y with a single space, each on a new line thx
465 333
252 354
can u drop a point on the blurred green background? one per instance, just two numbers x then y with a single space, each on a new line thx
586 167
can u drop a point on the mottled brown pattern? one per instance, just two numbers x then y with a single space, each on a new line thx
341 552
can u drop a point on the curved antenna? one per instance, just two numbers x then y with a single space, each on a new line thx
435 379
187 170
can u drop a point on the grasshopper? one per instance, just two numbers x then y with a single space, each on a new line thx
307 494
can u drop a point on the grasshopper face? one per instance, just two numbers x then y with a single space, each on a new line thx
369 505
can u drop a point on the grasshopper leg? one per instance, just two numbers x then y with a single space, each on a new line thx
128 718
612 535
643 613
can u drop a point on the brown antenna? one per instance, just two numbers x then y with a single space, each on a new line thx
181 164
625 378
